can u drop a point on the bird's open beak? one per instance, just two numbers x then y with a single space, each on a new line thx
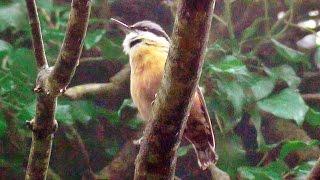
125 28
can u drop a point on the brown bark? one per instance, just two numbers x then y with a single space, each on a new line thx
122 166
37 41
117 87
315 172
162 135
312 98
51 82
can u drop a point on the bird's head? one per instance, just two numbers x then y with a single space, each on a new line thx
142 32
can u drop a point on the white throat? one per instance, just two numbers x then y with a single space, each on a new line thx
145 37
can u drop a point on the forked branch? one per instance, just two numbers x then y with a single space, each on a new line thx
52 81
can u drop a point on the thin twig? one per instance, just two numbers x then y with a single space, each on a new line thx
91 59
218 18
37 41
266 16
228 10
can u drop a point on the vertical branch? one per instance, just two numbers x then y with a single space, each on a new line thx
51 82
37 41
162 136
267 19
228 10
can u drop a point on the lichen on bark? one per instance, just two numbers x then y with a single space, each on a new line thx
52 81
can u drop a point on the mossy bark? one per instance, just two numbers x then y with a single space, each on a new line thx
51 82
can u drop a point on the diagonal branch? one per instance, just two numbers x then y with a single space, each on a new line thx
157 156
312 98
315 171
50 84
69 55
117 87
37 41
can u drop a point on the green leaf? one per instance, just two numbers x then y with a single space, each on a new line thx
264 148
291 146
92 38
13 15
22 61
127 103
303 169
231 153
135 123
317 57
3 125
112 49
112 117
273 171
218 46
234 94
27 112
313 118
63 113
253 29
4 48
262 87
288 53
183 150
230 65
286 73
46 4
288 104
6 84
83 111
53 34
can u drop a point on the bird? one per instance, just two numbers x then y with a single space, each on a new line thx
147 45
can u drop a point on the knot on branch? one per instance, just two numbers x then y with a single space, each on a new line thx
42 131
46 85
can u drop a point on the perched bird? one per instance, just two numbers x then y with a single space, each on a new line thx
147 45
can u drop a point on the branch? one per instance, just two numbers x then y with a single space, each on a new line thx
69 54
117 87
82 148
49 85
122 166
37 41
315 171
157 156
218 174
311 98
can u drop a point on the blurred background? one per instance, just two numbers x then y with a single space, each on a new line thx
261 81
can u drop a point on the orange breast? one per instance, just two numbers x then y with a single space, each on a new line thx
147 67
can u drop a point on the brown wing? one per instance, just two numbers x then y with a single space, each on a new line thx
199 131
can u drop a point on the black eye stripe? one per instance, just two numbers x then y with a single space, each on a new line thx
135 42
154 31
